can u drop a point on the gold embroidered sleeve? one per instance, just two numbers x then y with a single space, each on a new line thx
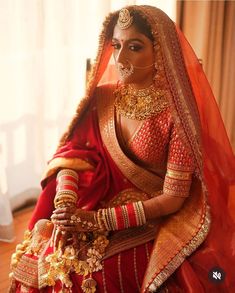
180 167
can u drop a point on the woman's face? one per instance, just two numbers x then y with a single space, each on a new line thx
134 56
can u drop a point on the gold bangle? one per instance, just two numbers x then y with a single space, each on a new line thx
65 197
125 216
115 224
69 201
100 220
112 218
105 219
68 172
66 191
64 202
140 212
108 218
136 214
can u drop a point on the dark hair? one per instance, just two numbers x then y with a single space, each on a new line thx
142 25
139 22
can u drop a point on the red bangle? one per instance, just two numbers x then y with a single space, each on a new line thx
119 218
66 187
131 214
66 177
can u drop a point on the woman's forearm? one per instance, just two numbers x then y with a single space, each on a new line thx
162 205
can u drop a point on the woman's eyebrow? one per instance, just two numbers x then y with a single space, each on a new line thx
128 40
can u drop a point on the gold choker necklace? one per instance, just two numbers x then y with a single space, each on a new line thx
139 104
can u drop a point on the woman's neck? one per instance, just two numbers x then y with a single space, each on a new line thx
139 86
142 84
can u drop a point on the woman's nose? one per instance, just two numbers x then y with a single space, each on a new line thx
121 56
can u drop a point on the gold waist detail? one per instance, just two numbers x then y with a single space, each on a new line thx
129 238
131 195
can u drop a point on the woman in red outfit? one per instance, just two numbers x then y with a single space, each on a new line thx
136 196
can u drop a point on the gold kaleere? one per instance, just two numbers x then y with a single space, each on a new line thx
89 285
140 104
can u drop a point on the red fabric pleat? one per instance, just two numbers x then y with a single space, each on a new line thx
218 250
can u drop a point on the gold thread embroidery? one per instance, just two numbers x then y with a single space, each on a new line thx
120 273
104 279
174 187
27 271
179 175
147 251
135 269
129 195
70 163
180 257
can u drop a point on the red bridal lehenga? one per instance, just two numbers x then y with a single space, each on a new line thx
176 151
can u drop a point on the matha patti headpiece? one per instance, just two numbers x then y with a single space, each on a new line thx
125 19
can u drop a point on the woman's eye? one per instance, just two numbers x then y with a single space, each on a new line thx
135 48
116 45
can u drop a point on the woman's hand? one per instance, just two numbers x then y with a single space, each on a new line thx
71 219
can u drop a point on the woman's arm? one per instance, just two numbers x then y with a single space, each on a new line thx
162 206
177 183
178 179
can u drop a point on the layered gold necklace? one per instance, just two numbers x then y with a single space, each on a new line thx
139 104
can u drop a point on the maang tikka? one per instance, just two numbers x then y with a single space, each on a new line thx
125 19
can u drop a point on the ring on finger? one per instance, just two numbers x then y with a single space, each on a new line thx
73 218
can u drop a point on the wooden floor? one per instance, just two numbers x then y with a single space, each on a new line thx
21 219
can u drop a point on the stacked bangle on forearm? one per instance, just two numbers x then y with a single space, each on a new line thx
66 188
121 217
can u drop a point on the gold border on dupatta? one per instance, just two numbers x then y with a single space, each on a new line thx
180 234
141 178
70 163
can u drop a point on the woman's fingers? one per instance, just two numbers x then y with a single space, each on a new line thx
57 236
60 236
69 210
71 229
63 240
64 222
61 216
71 220
53 237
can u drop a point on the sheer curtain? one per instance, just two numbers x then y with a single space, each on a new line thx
44 46
43 51
210 29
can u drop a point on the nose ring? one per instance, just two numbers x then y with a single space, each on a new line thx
123 71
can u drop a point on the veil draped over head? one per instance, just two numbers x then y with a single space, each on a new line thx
194 109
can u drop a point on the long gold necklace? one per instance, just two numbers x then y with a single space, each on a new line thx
139 104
